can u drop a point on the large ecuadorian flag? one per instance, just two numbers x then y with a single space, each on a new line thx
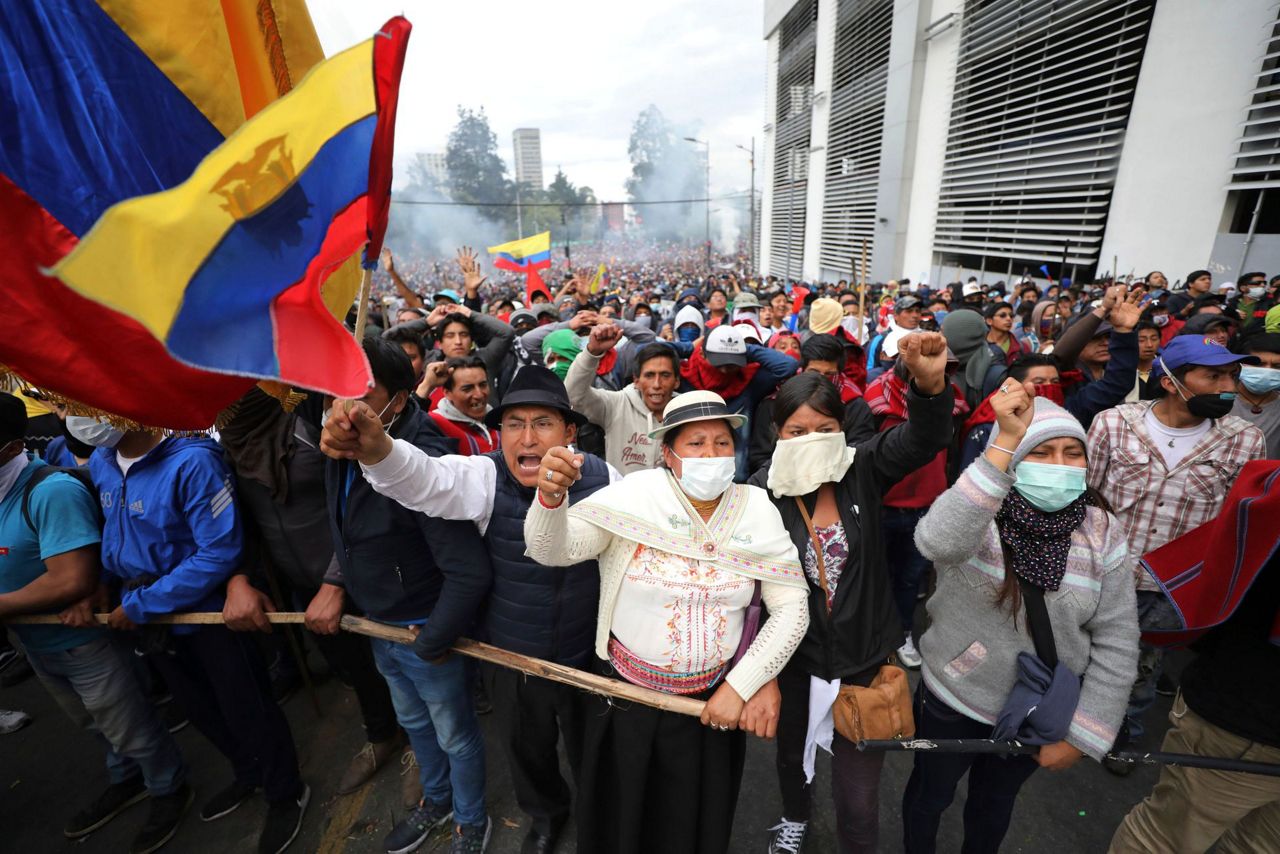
528 256
226 267
104 100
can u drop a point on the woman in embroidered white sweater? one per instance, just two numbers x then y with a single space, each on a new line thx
686 556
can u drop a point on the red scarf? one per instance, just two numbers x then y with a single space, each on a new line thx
985 414
703 375
607 362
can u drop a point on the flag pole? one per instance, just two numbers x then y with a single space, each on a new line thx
362 312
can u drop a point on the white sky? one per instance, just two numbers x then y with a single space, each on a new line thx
580 70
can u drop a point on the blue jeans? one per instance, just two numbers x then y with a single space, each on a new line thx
435 707
906 564
97 685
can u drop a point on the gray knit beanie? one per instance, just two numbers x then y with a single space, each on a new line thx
1050 421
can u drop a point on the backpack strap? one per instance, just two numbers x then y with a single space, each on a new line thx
1038 620
37 477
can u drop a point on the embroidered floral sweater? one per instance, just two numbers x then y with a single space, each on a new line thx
971 648
555 537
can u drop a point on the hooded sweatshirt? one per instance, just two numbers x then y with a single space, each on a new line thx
622 415
688 314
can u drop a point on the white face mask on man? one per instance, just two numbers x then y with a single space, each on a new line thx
93 431
705 478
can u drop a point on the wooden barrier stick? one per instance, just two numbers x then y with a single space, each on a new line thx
601 685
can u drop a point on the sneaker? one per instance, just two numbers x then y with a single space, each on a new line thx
163 820
788 837
12 720
908 656
114 800
411 779
366 763
284 820
226 801
471 838
424 820
1165 686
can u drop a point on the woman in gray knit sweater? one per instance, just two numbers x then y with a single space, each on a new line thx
1019 515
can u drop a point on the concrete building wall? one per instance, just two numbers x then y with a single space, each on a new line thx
527 145
1192 95
940 53
899 138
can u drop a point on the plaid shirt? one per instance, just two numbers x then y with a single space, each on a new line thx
1156 504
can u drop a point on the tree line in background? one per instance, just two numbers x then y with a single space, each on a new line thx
664 166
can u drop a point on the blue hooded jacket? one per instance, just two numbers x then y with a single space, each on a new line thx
174 517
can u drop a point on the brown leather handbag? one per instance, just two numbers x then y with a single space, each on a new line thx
882 710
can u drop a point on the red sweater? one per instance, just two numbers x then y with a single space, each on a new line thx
471 439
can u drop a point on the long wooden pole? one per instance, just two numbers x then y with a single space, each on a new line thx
862 296
601 685
362 312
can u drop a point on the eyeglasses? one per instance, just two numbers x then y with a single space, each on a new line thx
541 426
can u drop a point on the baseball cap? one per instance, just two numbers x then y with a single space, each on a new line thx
725 346
1195 350
906 302
450 295
745 300
1202 323
970 289
825 315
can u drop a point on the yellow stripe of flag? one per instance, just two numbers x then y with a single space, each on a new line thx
526 247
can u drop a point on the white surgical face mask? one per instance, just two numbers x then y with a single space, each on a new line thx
93 432
705 478
802 464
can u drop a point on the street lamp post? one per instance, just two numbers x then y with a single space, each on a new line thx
707 146
751 229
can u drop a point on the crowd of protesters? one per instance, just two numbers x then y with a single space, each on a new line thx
713 486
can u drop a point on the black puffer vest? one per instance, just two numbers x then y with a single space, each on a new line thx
543 611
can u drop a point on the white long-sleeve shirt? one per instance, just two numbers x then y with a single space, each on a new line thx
448 487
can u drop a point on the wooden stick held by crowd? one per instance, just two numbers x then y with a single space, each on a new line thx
601 685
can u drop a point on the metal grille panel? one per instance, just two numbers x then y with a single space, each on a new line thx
1259 143
863 28
1043 91
796 55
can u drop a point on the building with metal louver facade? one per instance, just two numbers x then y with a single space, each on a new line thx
1002 138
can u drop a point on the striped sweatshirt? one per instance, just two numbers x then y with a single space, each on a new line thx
971 648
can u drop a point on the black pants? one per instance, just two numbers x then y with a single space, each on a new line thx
531 715
351 657
656 781
994 781
220 679
855 776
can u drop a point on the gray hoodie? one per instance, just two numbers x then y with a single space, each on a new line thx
622 415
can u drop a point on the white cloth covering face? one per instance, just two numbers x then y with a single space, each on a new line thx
9 473
802 464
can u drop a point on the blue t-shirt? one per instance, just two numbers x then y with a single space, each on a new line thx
65 515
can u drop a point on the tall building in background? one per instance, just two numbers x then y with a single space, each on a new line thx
994 137
437 167
527 143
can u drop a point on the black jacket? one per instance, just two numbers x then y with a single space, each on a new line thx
1234 681
399 565
863 628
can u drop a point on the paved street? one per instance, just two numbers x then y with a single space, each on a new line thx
50 769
